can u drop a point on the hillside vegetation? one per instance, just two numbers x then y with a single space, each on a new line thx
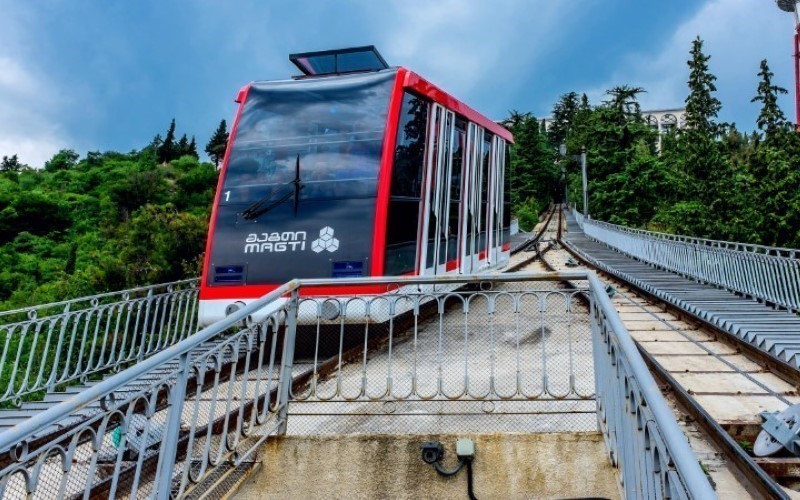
112 220
709 179
105 222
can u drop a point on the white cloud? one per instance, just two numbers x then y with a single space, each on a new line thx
27 102
738 34
469 46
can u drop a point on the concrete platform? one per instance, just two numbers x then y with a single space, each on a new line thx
573 465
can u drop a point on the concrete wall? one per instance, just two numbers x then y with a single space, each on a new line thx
390 466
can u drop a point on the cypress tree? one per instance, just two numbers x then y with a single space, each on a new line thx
698 146
585 106
701 105
192 148
166 151
218 142
183 147
771 119
563 118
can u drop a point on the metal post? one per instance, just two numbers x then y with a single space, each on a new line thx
142 347
51 381
797 76
169 445
585 186
287 360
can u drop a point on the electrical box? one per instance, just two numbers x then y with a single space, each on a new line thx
465 448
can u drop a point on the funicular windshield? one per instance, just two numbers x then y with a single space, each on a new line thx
326 131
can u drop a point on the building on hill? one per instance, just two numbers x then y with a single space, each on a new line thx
662 120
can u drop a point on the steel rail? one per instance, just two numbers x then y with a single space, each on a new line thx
46 418
755 475
92 301
525 245
663 412
682 455
50 346
769 274
762 481
669 446
779 367
90 298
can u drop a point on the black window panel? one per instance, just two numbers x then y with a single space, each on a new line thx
486 152
455 188
485 157
409 160
365 58
409 156
443 209
431 237
332 127
458 158
358 61
507 197
318 65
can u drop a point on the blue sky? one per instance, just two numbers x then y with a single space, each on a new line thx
109 75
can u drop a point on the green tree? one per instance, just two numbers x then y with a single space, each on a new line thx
699 150
515 119
771 119
192 149
10 164
701 105
218 143
563 118
535 177
166 151
63 160
182 149
624 100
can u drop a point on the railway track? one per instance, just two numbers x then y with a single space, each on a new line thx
697 367
525 256
701 374
232 372
716 383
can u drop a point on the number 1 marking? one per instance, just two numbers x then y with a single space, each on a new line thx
227 195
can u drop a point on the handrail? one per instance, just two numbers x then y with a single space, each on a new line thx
20 433
48 346
150 417
65 408
793 253
653 400
93 298
770 274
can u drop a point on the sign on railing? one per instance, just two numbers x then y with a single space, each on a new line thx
512 348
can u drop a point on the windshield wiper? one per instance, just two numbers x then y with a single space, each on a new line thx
259 208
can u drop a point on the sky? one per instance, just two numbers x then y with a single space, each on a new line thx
104 75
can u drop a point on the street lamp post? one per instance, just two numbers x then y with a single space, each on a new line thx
791 7
585 183
582 157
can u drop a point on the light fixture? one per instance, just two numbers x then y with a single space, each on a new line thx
786 5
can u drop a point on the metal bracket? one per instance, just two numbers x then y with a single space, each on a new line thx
780 430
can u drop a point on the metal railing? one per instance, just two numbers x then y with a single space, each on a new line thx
513 348
49 346
770 274
643 438
578 217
